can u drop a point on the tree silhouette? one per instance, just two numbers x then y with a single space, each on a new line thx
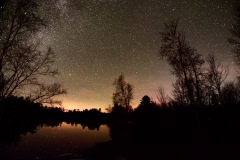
235 35
123 94
146 100
147 110
186 64
22 62
216 75
161 96
45 93
231 93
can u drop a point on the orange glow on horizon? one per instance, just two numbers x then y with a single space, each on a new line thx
71 104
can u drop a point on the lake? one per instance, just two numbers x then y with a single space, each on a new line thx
58 141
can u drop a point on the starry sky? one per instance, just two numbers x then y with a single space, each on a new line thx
97 40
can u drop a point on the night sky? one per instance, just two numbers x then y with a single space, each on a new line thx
97 40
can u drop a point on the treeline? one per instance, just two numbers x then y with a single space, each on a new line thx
199 81
159 127
178 123
19 116
172 131
21 110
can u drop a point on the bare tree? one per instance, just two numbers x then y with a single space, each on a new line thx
231 93
123 94
180 92
109 109
22 63
216 75
186 63
161 96
44 93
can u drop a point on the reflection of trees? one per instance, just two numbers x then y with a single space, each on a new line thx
148 132
18 116
12 131
92 118
91 126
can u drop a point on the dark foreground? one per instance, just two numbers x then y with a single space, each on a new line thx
149 132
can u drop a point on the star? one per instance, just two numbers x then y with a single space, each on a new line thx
96 41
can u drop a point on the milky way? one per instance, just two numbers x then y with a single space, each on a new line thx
97 40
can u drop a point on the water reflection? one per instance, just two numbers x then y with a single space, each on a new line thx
53 141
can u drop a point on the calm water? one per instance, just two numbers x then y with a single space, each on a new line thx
50 142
